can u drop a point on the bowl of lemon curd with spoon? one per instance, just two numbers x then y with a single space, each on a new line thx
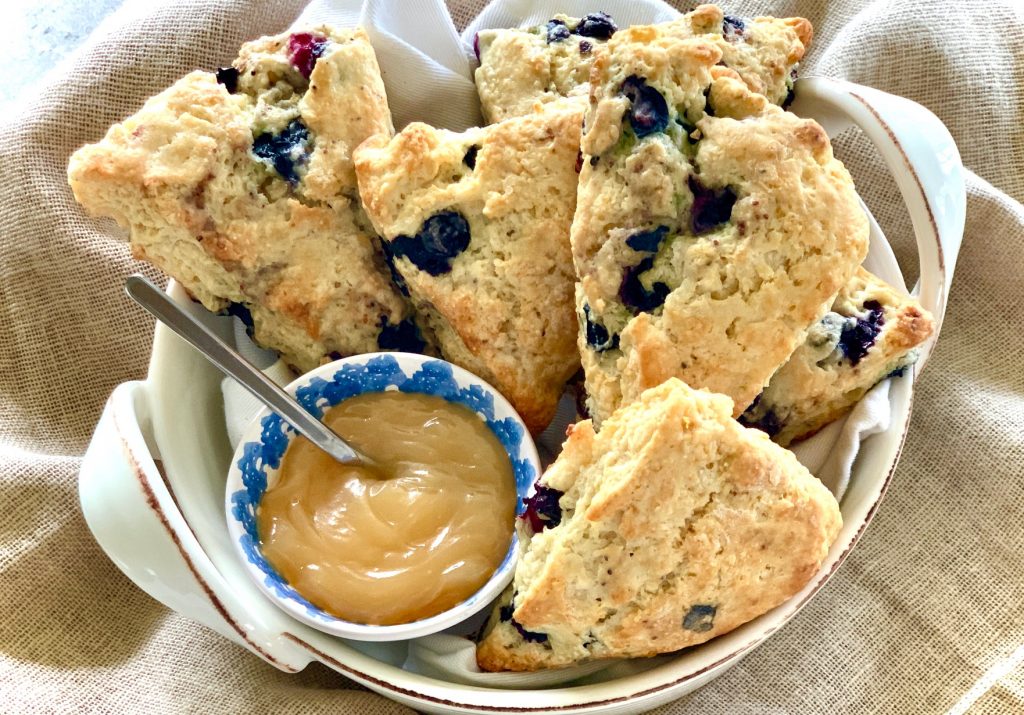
417 539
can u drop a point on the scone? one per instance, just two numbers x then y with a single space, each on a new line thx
476 225
712 227
672 525
241 186
871 332
524 66
521 67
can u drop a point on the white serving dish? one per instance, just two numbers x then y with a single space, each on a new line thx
152 481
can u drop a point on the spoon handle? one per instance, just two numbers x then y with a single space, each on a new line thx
143 292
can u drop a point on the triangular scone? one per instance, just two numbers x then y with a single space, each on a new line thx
708 237
871 332
477 224
241 186
672 525
520 67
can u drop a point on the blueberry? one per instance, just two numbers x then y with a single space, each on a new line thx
711 208
476 46
647 241
557 31
763 419
443 237
648 112
228 76
396 277
597 335
790 96
240 311
700 618
304 49
284 150
335 355
635 296
859 335
585 47
469 159
898 372
529 636
598 25
405 336
505 615
733 27
542 509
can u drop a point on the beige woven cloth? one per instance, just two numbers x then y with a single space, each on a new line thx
927 615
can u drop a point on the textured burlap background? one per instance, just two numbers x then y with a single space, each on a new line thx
927 615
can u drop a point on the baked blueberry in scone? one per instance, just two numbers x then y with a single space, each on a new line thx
672 525
712 227
870 332
477 226
240 185
524 66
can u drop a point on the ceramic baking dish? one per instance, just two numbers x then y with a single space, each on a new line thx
152 481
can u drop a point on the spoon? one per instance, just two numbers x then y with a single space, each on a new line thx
146 294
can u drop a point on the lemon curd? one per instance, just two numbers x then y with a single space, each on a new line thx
407 540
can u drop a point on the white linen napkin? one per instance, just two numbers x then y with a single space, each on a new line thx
427 70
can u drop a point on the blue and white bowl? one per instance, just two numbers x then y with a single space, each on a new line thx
258 457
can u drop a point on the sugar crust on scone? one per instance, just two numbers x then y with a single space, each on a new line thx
244 191
674 524
477 225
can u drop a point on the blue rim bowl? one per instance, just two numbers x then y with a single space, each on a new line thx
258 457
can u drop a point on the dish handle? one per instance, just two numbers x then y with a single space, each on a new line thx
134 517
924 160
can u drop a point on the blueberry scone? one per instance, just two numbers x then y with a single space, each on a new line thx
672 525
712 228
241 186
476 226
521 67
870 332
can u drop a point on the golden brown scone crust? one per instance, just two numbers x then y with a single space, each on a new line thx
871 331
181 175
520 68
677 525
503 307
738 296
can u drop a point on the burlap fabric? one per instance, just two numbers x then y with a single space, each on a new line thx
927 615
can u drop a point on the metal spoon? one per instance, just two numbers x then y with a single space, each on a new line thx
146 294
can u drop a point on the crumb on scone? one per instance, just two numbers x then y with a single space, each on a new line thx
712 228
870 333
476 224
520 67
240 185
672 525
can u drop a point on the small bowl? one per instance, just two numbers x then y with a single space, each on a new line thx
258 456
